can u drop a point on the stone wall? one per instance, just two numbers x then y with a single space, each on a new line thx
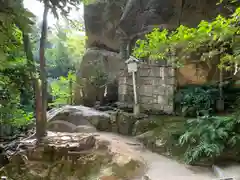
155 87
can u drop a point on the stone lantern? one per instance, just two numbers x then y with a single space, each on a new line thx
132 65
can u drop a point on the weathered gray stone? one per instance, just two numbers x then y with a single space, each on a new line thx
103 66
77 118
157 81
113 121
162 100
146 81
146 107
169 89
122 80
159 90
85 129
144 72
155 71
168 109
146 99
143 125
122 89
157 106
171 81
146 90
125 123
155 85
101 21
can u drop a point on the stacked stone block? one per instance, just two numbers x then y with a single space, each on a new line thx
155 86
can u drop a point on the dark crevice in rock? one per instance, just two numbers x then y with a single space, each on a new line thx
102 46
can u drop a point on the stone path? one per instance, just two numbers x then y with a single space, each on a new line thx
77 118
158 167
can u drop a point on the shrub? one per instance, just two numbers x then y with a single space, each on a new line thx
209 137
61 89
195 101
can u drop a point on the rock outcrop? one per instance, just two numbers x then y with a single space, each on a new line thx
104 20
98 76
72 156
77 119
83 119
113 26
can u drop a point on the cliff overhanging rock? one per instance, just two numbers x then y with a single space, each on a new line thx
108 21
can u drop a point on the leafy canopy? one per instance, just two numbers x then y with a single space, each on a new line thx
14 75
207 40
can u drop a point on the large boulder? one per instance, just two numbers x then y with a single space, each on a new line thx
77 119
98 74
88 120
104 18
101 21
140 15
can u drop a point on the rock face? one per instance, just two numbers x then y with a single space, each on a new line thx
101 21
98 74
103 18
113 26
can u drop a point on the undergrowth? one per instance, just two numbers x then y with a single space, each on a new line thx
208 137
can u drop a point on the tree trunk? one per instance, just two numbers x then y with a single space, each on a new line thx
220 101
71 92
35 81
41 127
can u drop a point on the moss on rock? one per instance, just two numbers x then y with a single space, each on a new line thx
163 139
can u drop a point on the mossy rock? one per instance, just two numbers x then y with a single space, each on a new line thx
163 139
125 122
143 125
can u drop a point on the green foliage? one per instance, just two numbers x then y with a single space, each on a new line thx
208 137
195 101
209 39
65 51
63 6
14 74
61 89
76 47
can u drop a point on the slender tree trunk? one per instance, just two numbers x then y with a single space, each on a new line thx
35 81
41 129
32 70
220 103
71 92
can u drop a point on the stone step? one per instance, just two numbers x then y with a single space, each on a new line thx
230 172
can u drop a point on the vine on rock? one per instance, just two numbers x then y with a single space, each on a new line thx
219 37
